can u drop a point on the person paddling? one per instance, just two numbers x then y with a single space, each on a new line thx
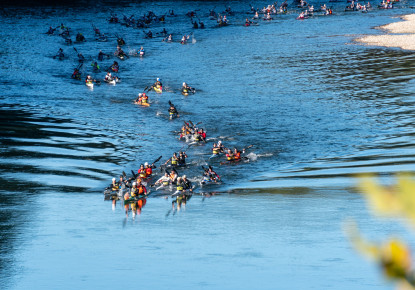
115 67
101 55
173 111
164 181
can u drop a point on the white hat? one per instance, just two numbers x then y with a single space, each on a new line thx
134 183
158 79
184 176
113 179
146 164
140 94
184 84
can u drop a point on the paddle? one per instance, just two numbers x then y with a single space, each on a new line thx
157 159
250 146
135 175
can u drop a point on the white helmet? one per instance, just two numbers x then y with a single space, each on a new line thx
140 94
158 79
134 183
146 164
113 179
184 84
184 176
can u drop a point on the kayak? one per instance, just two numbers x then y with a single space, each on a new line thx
158 89
134 199
143 104
112 82
185 92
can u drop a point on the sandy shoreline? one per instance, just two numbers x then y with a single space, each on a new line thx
400 34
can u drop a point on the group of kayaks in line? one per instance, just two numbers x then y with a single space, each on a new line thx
90 81
133 191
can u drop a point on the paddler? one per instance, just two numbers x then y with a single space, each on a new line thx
142 172
120 41
76 74
88 80
158 84
184 39
182 158
174 160
80 37
95 66
51 30
149 34
141 202
149 169
237 154
202 135
187 184
108 77
164 181
115 186
218 148
115 67
81 58
187 88
60 53
142 99
173 112
168 38
213 175
173 176
229 155
101 55
141 52
119 52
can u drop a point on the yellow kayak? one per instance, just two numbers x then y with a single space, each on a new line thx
158 89
143 104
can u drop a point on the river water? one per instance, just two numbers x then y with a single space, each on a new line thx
317 108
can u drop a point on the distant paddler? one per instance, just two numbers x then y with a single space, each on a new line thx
185 38
180 194
60 55
142 100
101 55
141 52
89 82
115 67
77 73
80 38
217 149
157 86
186 89
173 111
